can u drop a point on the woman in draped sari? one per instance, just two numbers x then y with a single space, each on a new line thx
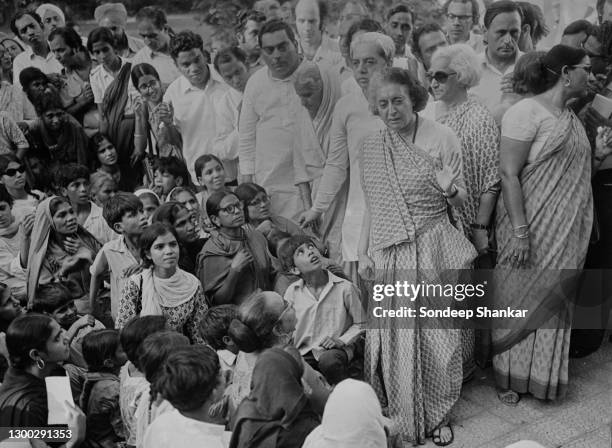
235 261
542 227
59 248
454 70
411 173
115 96
319 89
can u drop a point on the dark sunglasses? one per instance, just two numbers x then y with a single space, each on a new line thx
440 77
13 171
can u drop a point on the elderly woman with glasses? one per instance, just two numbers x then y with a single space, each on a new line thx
235 261
453 71
543 226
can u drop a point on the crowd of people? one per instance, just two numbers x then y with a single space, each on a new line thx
190 232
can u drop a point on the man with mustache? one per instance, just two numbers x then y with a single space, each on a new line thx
268 126
28 27
503 31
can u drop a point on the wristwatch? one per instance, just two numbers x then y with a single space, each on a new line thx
455 192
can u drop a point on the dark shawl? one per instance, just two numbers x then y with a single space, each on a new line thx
119 127
277 412
216 258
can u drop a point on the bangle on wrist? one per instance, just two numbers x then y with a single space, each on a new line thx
476 226
521 236
454 192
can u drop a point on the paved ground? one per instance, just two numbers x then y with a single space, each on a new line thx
582 420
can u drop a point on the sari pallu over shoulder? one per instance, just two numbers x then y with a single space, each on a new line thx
118 127
558 203
382 155
40 246
222 248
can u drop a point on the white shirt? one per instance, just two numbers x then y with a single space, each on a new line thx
488 90
195 114
225 145
100 79
352 123
163 63
172 430
268 128
97 226
28 59
337 313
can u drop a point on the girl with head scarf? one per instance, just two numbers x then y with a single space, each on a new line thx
352 419
277 412
59 248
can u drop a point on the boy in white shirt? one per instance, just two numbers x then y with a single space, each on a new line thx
330 317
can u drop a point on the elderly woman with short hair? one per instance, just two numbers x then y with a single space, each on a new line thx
411 174
453 71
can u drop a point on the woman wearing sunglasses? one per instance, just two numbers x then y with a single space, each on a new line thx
13 177
454 70
543 225
235 261
411 175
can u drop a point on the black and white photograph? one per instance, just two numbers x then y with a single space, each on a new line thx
306 223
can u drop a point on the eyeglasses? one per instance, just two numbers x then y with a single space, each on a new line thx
453 17
13 171
586 68
232 208
262 200
150 86
440 77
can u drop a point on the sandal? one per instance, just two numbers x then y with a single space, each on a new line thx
435 435
509 397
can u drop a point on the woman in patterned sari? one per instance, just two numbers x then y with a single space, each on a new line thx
453 71
411 173
543 227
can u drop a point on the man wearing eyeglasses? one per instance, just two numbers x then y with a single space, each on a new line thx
461 17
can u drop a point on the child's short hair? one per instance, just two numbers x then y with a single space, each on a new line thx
188 377
215 324
154 350
66 174
135 331
201 162
95 141
99 346
174 166
51 296
288 248
117 206
98 179
274 237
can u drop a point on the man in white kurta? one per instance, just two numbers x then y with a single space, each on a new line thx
194 97
268 123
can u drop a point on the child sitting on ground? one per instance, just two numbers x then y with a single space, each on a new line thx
131 379
214 330
100 397
330 317
191 381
